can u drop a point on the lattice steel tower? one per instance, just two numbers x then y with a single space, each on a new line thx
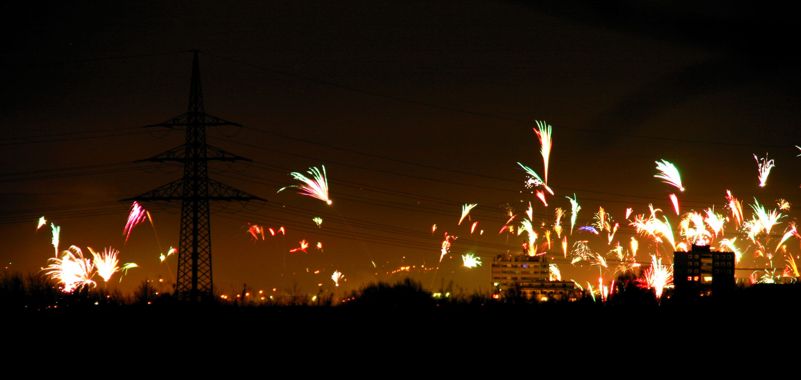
195 191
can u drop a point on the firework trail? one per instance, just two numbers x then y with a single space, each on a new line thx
574 210
473 227
654 227
169 253
799 148
791 230
675 201
589 229
557 225
106 262
564 246
728 244
319 245
628 212
764 167
541 196
600 219
530 212
256 231
318 221
41 223
669 174
548 238
611 234
528 228
633 246
314 186
783 204
791 269
302 248
126 267
56 233
137 215
736 208
658 276
433 228
336 277
763 220
470 261
715 221
693 228
466 211
72 270
554 274
534 179
543 132
446 245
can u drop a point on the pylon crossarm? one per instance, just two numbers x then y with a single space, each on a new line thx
194 119
172 191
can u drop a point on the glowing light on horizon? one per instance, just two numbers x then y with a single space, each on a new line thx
669 174
314 186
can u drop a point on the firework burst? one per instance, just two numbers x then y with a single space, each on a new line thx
669 174
764 166
72 270
466 208
106 263
137 215
314 186
470 261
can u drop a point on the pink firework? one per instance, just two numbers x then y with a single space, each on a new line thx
314 186
137 215
302 248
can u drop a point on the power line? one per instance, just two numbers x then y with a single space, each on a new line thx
487 115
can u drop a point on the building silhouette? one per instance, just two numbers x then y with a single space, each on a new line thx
525 276
702 271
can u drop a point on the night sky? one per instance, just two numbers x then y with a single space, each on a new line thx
414 107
